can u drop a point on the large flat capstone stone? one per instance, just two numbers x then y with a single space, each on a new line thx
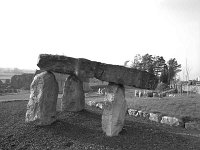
85 69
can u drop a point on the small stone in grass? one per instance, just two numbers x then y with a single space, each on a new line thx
132 112
193 125
172 121
156 116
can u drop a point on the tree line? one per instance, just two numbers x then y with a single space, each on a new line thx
165 71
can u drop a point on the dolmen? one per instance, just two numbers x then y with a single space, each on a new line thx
41 108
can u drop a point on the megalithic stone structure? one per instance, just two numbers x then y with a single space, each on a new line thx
41 107
73 98
84 69
44 89
115 110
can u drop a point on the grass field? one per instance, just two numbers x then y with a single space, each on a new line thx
23 95
179 106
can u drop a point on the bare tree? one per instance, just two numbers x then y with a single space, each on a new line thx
187 69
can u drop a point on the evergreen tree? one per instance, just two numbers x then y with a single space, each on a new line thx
173 69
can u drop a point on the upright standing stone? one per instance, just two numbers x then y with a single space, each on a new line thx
73 95
41 107
115 110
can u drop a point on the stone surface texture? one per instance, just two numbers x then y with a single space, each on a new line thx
155 116
194 125
85 69
73 98
114 110
132 112
172 121
41 107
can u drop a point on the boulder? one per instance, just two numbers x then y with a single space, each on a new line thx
73 98
155 94
140 113
156 116
91 103
114 110
85 69
41 108
99 105
172 121
145 114
132 112
194 125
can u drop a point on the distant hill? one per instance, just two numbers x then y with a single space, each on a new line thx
15 70
7 73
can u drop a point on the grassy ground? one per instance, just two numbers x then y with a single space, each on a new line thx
178 106
23 95
82 130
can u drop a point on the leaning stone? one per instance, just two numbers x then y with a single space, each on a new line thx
193 125
41 108
172 121
114 110
73 98
155 117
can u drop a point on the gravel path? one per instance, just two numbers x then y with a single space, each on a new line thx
83 131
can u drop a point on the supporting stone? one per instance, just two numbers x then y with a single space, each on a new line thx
114 110
73 98
41 108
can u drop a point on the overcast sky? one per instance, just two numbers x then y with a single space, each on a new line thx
105 31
